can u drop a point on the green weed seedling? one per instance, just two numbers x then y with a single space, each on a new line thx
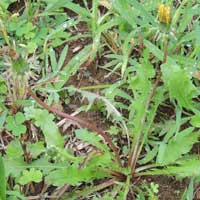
147 54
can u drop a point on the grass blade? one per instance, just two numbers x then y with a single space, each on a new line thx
2 180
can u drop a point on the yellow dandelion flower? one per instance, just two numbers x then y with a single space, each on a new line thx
164 13
161 10
167 14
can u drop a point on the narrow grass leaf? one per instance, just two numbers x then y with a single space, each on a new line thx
2 180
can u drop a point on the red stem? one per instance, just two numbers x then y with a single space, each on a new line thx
81 122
